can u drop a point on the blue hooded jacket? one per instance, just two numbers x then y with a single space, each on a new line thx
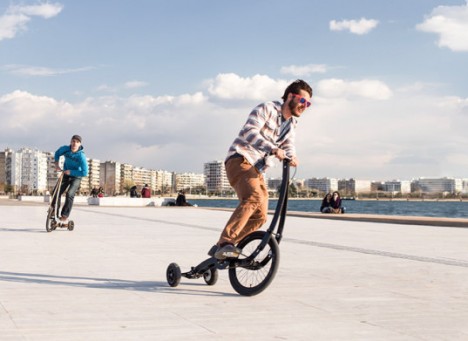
74 162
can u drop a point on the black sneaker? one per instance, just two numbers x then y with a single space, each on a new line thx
227 251
212 251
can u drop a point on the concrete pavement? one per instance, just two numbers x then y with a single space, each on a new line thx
338 280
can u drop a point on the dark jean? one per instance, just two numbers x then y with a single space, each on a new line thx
72 183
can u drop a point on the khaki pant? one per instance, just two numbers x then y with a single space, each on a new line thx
252 211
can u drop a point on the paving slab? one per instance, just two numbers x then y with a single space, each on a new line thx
338 279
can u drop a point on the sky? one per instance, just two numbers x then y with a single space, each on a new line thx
169 84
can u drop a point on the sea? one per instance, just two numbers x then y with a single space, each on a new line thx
447 209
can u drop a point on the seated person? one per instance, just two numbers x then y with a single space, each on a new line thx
146 192
326 204
336 203
133 192
181 201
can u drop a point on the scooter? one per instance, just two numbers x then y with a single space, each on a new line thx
53 221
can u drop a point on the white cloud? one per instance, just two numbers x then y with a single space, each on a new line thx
45 10
339 88
40 71
450 23
362 26
24 111
304 70
258 87
350 131
135 84
16 17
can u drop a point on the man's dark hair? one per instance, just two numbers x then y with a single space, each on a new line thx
295 87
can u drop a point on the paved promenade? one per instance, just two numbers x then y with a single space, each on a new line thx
338 279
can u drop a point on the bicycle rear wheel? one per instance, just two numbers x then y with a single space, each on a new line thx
256 277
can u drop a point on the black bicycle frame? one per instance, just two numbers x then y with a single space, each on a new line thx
280 214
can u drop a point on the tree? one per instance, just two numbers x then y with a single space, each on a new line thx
127 185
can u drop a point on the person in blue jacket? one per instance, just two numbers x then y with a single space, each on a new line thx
74 168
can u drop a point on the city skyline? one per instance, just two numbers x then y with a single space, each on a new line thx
266 174
169 84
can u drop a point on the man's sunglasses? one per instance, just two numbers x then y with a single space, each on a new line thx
302 100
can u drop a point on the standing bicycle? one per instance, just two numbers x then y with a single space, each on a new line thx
75 166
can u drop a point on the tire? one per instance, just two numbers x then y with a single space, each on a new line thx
211 276
173 275
252 280
71 225
50 223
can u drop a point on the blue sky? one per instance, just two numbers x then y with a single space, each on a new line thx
168 84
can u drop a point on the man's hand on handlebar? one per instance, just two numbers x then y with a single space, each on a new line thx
294 162
280 154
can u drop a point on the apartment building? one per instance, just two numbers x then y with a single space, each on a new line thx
397 186
141 176
93 178
216 179
163 182
26 171
324 185
188 181
438 185
3 177
109 177
353 186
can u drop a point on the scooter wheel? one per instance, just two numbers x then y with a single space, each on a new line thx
173 274
50 222
71 225
211 276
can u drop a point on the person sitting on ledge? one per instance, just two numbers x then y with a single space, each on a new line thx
336 203
331 203
326 204
181 200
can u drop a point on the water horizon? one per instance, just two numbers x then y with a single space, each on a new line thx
398 207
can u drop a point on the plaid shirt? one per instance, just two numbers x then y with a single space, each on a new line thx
264 131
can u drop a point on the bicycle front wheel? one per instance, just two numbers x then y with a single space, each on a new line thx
50 222
258 275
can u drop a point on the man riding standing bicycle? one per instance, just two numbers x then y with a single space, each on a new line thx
75 167
269 132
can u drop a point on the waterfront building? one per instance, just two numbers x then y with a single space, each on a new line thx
163 182
438 185
397 186
3 177
324 185
52 175
464 186
216 179
109 177
126 177
141 176
274 184
188 181
93 178
28 171
353 186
